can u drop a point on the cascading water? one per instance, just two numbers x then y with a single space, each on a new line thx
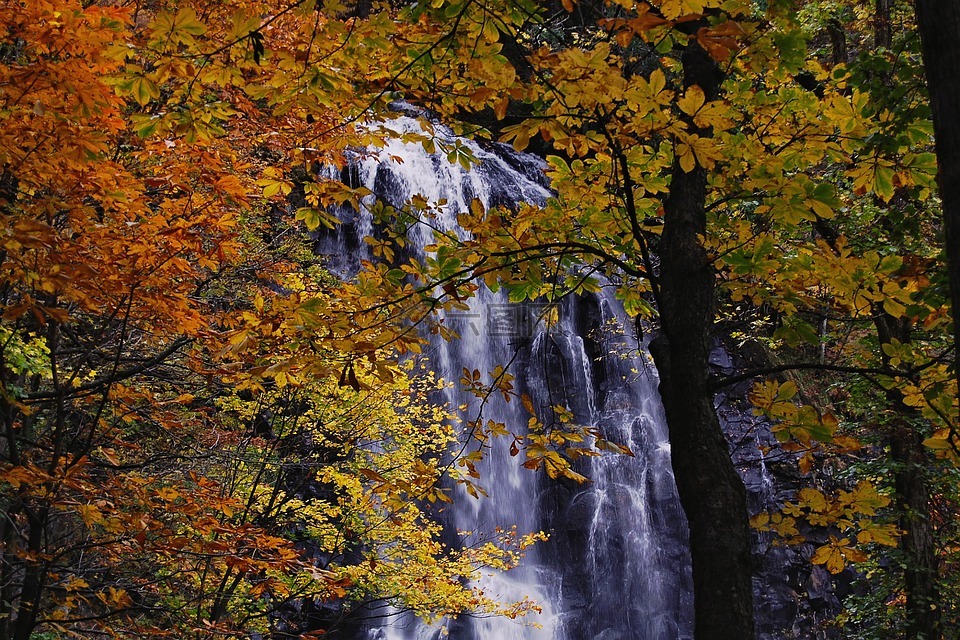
626 574
616 565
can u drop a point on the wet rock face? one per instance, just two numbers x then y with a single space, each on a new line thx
588 322
793 598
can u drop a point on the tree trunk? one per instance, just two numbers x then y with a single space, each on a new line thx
838 41
34 576
711 491
913 501
906 449
920 574
882 24
939 26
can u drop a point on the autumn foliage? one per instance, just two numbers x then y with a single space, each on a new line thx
202 430
195 435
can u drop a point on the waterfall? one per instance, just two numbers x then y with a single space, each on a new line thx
624 558
616 566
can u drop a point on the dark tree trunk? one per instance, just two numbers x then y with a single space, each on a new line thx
906 449
939 25
711 491
882 24
920 574
913 501
838 41
34 576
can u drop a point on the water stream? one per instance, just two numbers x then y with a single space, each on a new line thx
616 565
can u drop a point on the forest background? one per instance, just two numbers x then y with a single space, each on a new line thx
205 433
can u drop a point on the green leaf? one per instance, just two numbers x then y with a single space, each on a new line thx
883 182
793 48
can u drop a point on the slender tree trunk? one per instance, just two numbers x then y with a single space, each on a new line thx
711 491
7 561
838 41
907 450
882 24
939 24
913 502
920 574
28 607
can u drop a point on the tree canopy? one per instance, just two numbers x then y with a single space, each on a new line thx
202 426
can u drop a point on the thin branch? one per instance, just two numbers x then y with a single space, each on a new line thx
175 346
720 383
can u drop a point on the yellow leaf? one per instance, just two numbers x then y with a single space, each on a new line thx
657 82
167 494
786 390
673 9
852 554
685 154
864 499
938 444
713 114
692 100
75 584
694 149
894 308
90 513
885 534
761 521
813 499
829 556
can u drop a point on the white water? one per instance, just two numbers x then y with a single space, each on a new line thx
616 567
